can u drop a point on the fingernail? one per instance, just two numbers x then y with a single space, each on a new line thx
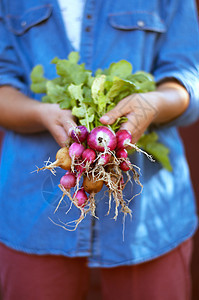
105 118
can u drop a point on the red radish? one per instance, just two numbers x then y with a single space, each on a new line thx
68 181
124 166
122 153
101 138
104 159
76 150
79 134
89 155
124 138
81 197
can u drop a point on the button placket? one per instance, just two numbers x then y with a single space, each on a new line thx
87 33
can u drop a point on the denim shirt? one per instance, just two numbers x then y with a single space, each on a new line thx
157 36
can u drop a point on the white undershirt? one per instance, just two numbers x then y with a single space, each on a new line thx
72 13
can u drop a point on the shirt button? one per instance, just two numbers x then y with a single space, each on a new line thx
140 23
23 23
88 29
89 17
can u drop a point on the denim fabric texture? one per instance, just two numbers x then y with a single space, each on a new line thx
157 36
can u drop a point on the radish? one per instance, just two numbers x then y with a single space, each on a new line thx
68 181
79 134
76 150
121 153
80 167
102 138
91 185
63 160
124 140
80 197
125 166
89 155
104 159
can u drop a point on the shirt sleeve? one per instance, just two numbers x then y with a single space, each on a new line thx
11 71
178 56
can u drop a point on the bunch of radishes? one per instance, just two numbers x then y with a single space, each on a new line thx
99 157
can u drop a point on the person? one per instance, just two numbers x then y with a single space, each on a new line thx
150 257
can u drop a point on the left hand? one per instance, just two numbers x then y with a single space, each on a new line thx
168 102
140 109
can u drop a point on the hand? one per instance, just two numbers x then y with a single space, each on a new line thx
140 109
168 102
59 122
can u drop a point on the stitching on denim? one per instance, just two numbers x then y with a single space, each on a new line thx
136 13
9 16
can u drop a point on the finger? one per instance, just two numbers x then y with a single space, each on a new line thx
121 109
68 122
135 128
69 126
60 135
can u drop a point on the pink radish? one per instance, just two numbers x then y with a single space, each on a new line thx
80 197
68 181
122 153
102 138
79 134
76 150
89 155
104 159
124 140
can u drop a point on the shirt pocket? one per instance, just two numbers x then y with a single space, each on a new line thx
137 20
20 24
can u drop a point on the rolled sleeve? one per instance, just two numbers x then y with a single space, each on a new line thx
178 57
11 71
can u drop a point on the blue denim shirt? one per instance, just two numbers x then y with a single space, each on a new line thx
158 36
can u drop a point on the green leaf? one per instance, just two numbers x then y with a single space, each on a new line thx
120 86
55 60
38 84
73 57
97 87
161 153
58 94
76 91
121 69
148 138
118 123
86 121
143 81
98 72
37 74
79 112
46 99
149 143
39 88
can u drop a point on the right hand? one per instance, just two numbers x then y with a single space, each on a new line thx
59 122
